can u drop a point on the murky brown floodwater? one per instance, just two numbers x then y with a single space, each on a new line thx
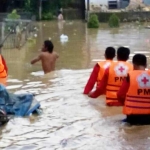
71 120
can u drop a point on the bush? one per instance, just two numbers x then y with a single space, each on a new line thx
93 21
13 15
47 16
114 21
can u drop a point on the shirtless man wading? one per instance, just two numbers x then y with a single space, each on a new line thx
47 57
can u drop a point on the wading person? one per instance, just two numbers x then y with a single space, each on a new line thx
134 93
18 37
113 78
60 16
99 69
47 56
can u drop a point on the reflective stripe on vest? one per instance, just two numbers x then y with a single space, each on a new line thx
103 66
138 96
3 73
117 73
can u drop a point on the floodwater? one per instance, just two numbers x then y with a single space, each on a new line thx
71 120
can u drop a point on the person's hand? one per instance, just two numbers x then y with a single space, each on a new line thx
90 94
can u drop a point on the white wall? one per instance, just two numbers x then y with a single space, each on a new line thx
98 2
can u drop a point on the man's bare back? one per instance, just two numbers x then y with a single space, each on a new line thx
47 57
48 61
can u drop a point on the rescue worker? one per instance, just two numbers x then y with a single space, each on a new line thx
3 69
135 93
113 78
99 69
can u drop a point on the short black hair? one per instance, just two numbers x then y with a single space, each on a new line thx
59 12
139 60
123 53
49 45
110 53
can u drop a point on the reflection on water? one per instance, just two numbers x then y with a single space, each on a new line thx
71 120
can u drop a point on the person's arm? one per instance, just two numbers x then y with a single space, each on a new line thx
92 80
121 94
38 58
4 63
102 86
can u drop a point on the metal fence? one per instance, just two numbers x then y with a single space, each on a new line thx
15 33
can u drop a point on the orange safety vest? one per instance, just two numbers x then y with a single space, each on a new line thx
138 95
117 73
3 74
103 65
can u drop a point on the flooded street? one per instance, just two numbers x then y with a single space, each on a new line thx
71 120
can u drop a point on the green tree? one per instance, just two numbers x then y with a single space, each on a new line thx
114 21
13 15
93 21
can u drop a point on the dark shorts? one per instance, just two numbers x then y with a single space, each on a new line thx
138 119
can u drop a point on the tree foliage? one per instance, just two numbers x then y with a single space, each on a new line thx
47 16
13 15
114 21
93 21
49 7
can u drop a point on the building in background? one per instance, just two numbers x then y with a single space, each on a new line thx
103 5
107 4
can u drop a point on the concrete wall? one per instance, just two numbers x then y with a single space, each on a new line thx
73 14
125 16
96 3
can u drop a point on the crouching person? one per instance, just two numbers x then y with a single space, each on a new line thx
135 93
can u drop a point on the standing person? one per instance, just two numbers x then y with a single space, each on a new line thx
113 78
134 93
99 69
47 56
18 36
60 16
3 69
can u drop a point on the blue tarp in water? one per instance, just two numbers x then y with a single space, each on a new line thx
18 105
